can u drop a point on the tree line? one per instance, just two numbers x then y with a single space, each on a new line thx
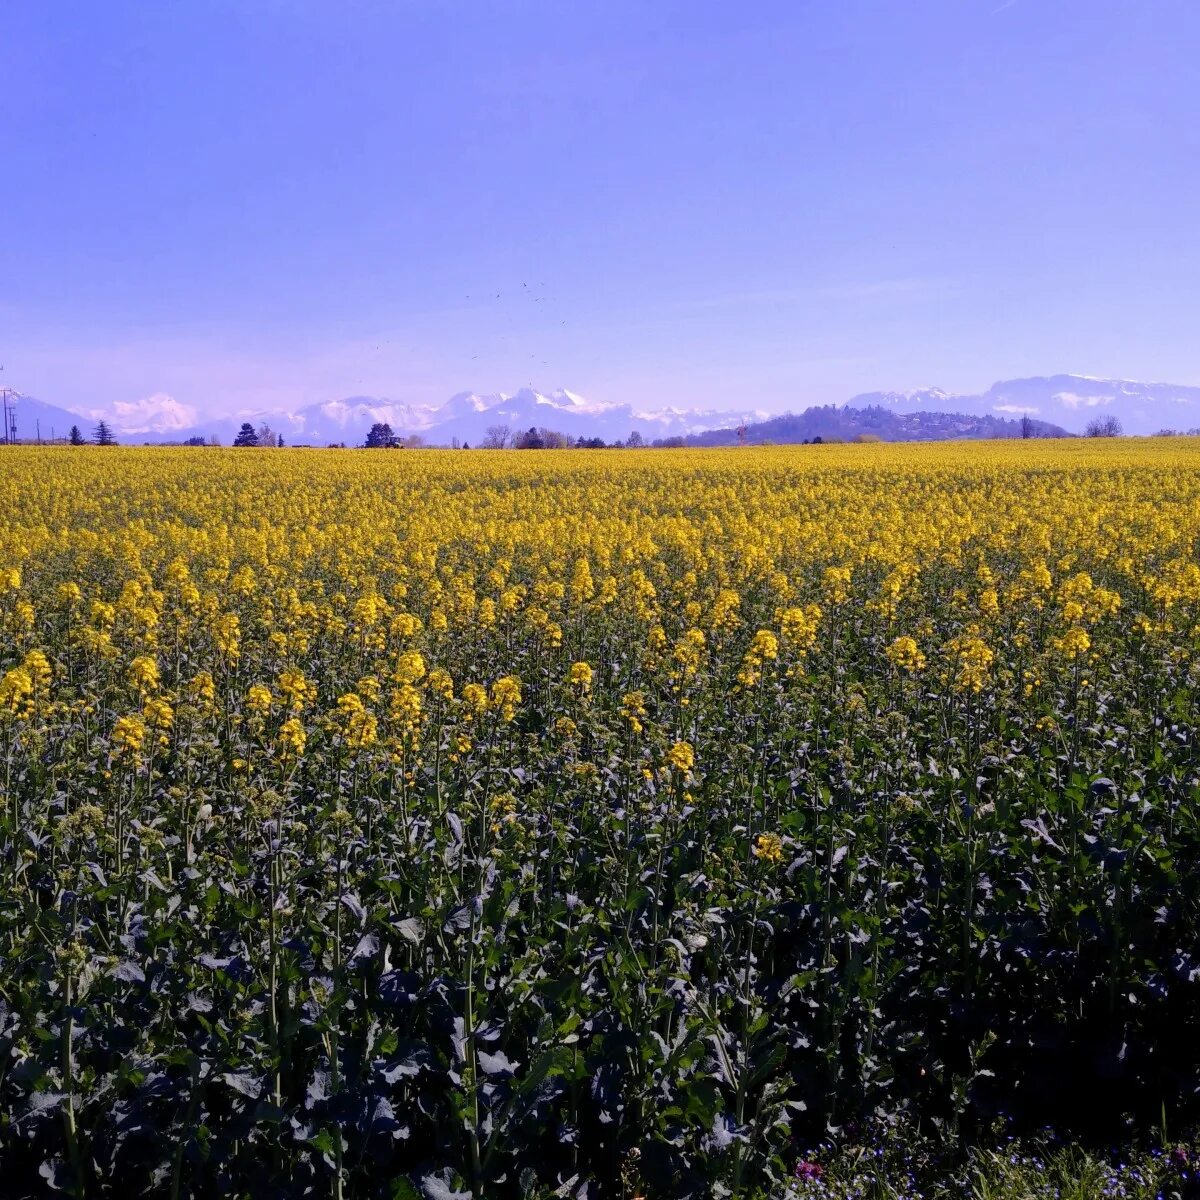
501 437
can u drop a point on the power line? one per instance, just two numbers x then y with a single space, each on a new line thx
9 396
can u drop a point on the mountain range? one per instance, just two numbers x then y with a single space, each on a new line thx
831 423
1064 401
465 417
1067 400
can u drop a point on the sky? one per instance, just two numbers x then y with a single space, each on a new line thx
273 203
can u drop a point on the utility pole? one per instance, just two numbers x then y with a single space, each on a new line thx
8 399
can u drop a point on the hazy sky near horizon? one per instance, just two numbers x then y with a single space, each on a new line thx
269 203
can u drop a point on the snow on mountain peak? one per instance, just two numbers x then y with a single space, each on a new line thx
158 413
571 398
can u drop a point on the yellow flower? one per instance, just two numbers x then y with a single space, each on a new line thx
440 683
580 676
1073 643
799 627
410 668
16 693
358 723
836 584
202 691
724 617
143 673
292 738
158 714
906 654
474 698
764 645
227 635
769 848
296 690
633 708
506 695
128 737
159 717
972 659
681 757
37 666
258 700
368 610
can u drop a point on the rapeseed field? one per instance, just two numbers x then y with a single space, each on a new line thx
612 823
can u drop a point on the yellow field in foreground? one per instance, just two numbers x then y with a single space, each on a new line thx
471 817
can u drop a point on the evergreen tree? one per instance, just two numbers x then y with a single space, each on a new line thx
246 435
381 437
75 437
103 436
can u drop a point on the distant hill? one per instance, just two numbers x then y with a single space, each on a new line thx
845 423
36 419
1067 400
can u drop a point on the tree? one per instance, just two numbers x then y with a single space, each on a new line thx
635 440
266 436
381 437
496 437
1104 427
529 440
1026 426
553 440
195 441
103 436
75 437
246 435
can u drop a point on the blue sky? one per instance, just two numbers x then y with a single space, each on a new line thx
702 204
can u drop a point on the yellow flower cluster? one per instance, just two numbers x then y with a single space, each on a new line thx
906 654
429 603
769 848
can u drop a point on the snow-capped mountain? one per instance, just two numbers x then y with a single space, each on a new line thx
467 417
572 414
157 414
1067 400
